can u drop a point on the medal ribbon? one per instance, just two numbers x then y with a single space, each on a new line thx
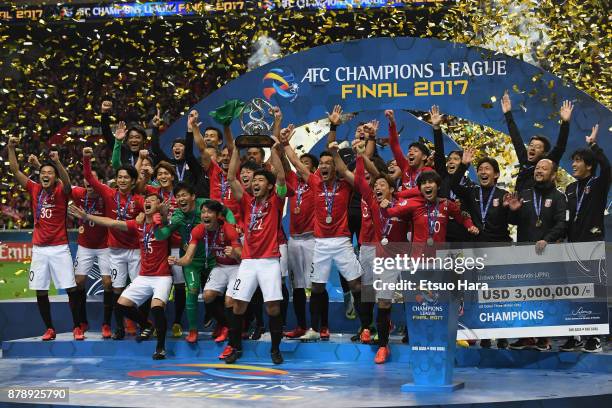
181 172
329 200
302 187
224 186
122 211
537 204
256 213
431 218
579 201
147 236
484 210
206 247
39 203
386 221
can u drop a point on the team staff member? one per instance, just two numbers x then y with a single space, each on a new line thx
539 213
260 264
93 246
446 167
154 278
222 241
538 147
586 199
51 257
123 205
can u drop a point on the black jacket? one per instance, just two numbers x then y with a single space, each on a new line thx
589 226
552 215
183 167
525 180
127 156
455 232
496 226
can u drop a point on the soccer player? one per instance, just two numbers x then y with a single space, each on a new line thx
93 246
154 277
538 147
385 231
428 213
256 155
222 241
539 213
301 241
183 220
260 264
418 153
51 257
165 175
332 236
586 200
121 204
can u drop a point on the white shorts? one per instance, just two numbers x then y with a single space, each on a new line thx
367 253
338 251
301 250
283 260
51 262
382 280
143 287
124 262
222 278
177 271
86 257
264 273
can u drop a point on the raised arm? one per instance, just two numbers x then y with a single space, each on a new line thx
63 174
277 164
107 133
361 185
156 147
286 135
340 165
194 126
515 135
455 181
370 129
600 156
96 219
21 178
565 113
394 142
234 165
120 135
439 155
334 121
91 179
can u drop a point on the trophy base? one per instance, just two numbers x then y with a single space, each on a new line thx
412 387
246 141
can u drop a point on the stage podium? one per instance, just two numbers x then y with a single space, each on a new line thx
431 317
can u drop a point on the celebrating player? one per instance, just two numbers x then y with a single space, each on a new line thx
93 246
260 254
120 204
418 153
220 239
154 277
51 257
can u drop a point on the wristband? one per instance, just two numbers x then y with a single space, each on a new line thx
332 127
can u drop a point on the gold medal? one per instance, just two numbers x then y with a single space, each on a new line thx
539 223
328 219
81 229
296 210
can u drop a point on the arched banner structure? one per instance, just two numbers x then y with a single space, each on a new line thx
411 73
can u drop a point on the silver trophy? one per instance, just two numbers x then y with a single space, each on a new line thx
257 129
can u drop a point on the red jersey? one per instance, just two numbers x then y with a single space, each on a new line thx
366 233
223 237
393 229
221 191
338 195
301 221
50 211
175 240
117 206
422 213
409 175
153 254
261 226
93 236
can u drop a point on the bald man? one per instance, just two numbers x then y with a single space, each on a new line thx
539 213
